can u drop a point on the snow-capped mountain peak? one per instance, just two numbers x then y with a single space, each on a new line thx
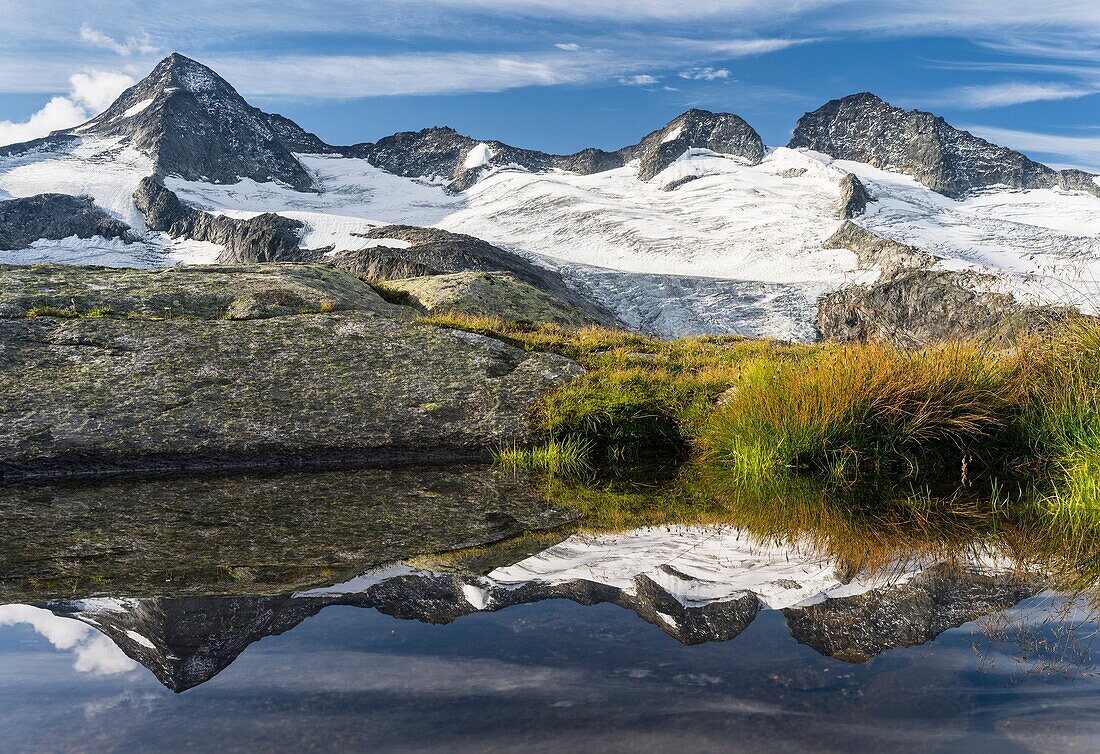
195 125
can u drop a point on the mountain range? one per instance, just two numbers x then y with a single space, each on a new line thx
718 584
697 228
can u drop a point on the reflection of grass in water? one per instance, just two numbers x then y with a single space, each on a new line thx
864 527
569 456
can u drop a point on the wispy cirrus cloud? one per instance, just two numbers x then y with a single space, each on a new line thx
142 43
1005 94
705 74
641 79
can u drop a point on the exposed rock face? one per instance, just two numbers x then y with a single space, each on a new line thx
55 216
914 307
131 395
443 153
855 629
873 249
854 197
439 252
498 294
696 129
264 238
195 125
216 292
864 128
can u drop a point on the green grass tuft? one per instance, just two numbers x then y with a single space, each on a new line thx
557 458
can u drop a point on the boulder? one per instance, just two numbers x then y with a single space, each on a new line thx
110 395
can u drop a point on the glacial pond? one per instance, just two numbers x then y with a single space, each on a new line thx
461 609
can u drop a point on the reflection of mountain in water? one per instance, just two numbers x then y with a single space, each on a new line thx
697 585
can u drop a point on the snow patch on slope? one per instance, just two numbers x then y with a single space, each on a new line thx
478 156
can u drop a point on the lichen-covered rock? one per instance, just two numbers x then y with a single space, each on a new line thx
498 294
55 216
914 307
872 249
439 252
864 128
119 395
264 238
215 292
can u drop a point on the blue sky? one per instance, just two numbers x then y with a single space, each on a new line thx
560 76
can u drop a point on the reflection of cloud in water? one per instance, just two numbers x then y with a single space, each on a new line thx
95 653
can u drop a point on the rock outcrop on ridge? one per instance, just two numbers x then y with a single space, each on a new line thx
493 294
265 238
865 128
54 217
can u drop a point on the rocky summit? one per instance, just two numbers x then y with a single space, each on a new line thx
865 128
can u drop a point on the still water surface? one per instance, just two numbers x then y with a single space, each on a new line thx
456 611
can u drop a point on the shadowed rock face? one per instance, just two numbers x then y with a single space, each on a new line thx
855 629
195 125
265 238
439 252
854 197
864 128
914 307
54 216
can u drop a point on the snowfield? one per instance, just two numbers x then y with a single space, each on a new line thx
710 245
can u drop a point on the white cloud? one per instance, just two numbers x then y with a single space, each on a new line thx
140 44
89 94
705 74
94 652
568 46
1011 93
1080 151
641 79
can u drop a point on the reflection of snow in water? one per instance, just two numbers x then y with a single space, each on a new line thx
94 652
695 565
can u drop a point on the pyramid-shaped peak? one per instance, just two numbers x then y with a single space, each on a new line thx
180 71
